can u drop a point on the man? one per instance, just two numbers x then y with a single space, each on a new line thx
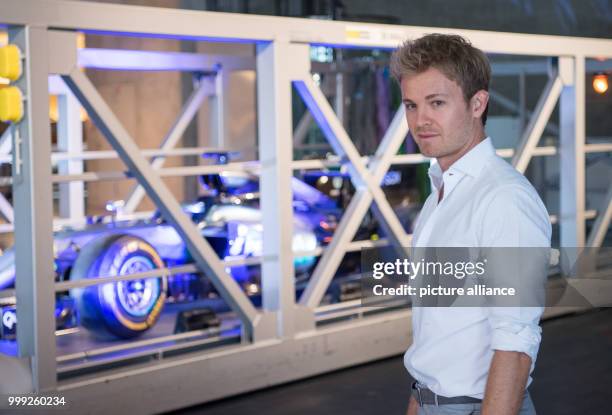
467 359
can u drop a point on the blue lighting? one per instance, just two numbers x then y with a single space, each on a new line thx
360 47
392 178
175 36
8 328
7 269
321 54
139 60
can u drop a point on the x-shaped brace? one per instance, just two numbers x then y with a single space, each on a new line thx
366 179
201 251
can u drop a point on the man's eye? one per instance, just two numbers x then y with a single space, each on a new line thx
410 107
437 103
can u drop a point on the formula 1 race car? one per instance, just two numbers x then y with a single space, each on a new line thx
228 216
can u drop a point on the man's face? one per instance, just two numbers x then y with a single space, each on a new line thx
443 125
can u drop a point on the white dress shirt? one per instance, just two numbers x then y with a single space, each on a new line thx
486 203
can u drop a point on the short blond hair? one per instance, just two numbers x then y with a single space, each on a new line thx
452 55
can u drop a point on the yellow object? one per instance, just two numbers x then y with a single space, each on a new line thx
600 83
54 110
80 40
10 62
11 104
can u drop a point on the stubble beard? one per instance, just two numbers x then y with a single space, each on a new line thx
434 150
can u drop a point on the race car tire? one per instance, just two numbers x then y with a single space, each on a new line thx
125 309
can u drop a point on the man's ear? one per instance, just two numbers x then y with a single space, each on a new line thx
478 103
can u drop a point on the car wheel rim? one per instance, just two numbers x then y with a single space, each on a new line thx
137 297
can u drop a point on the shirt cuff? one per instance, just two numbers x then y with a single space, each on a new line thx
517 337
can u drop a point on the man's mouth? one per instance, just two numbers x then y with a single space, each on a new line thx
425 136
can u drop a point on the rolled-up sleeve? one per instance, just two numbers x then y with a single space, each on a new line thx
515 217
516 329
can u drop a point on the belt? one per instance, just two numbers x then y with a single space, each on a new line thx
425 396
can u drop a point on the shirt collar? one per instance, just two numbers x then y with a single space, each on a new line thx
471 163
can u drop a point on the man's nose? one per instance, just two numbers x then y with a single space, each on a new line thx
422 118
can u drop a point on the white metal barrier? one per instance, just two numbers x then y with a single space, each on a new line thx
280 341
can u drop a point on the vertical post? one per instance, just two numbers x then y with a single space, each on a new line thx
275 62
6 144
32 198
70 140
602 222
572 163
217 109
339 102
522 107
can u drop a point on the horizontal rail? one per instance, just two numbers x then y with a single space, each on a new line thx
253 166
103 279
7 297
61 223
156 347
214 26
409 159
144 60
132 344
6 227
313 252
598 148
165 172
588 214
361 311
316 164
60 156
419 158
298 164
352 247
359 245
327 308
154 273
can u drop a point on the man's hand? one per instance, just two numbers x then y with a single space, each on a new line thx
506 383
413 406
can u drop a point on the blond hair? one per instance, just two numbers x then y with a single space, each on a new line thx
452 55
